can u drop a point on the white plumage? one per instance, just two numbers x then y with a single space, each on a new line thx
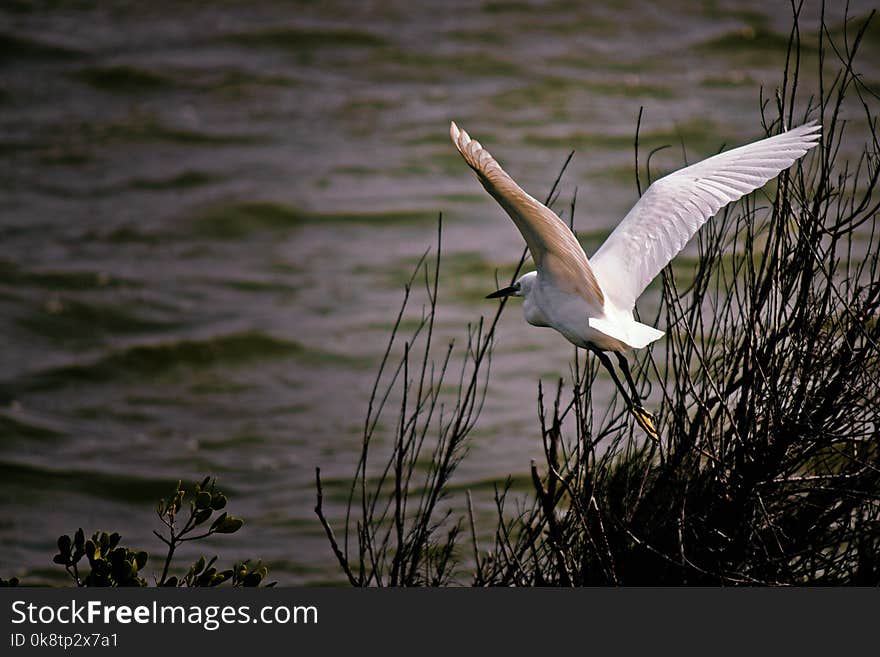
591 301
673 208
600 293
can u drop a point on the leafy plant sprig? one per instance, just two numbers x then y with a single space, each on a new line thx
204 501
112 564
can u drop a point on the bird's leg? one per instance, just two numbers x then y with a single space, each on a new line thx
644 419
603 358
624 366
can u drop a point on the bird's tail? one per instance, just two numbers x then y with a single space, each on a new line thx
633 334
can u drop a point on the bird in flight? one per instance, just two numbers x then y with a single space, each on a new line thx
591 301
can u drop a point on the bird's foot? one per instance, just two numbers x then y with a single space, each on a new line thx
646 421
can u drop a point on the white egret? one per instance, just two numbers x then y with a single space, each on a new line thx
591 301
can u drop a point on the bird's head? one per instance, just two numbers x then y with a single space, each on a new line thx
521 288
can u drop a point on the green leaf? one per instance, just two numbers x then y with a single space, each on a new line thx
218 520
203 500
64 544
220 577
252 579
205 578
202 516
230 525
140 559
117 556
218 501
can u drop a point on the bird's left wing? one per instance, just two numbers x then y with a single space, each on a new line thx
675 206
556 252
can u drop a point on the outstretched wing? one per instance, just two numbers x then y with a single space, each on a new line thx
556 252
674 207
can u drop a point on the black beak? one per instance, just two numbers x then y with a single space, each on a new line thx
503 292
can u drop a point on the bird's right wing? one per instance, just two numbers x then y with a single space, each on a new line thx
556 252
674 207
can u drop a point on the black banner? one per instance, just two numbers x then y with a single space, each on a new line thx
151 621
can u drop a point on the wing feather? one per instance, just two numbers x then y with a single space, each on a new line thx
674 208
556 252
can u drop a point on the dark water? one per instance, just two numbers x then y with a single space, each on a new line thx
208 211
